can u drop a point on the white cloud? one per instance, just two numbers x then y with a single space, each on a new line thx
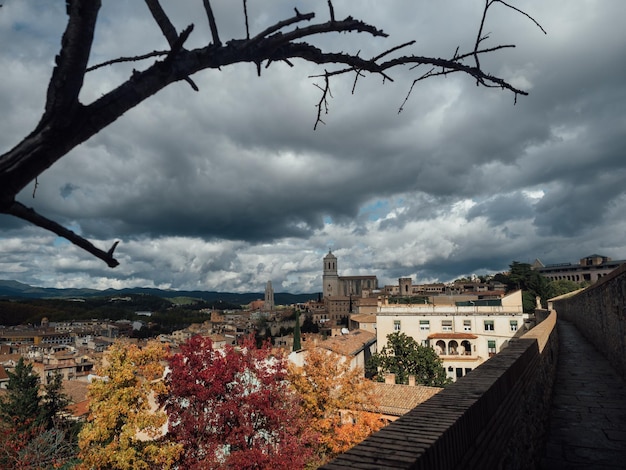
230 187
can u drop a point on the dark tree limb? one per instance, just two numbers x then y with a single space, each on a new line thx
19 210
66 123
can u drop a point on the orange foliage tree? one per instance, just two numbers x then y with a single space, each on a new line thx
124 426
336 400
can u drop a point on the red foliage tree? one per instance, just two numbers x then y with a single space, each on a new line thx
233 408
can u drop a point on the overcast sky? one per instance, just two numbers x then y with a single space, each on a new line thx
230 187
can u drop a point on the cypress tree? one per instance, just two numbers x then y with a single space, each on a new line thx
296 333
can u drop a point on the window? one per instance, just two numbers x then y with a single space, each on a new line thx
425 325
459 372
467 325
489 325
491 347
468 370
446 325
396 325
513 325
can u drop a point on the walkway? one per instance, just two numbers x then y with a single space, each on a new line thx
588 414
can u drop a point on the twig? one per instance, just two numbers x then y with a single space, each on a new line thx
167 28
323 102
245 14
128 59
212 24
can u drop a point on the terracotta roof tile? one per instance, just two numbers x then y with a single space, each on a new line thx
350 344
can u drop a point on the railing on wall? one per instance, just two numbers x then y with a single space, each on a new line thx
494 417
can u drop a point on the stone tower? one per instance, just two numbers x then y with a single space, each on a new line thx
268 305
330 279
406 287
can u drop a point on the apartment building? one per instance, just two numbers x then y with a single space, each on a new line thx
464 335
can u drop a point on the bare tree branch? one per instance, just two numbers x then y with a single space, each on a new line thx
212 24
19 210
67 123
245 15
163 21
120 60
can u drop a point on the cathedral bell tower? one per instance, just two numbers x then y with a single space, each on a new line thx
330 279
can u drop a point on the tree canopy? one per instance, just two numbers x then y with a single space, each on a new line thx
403 356
336 401
32 434
67 122
233 408
123 410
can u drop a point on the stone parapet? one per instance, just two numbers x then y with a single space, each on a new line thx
599 313
494 417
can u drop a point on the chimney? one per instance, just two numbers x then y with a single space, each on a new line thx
412 380
390 378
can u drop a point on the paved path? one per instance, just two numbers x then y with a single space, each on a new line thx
588 414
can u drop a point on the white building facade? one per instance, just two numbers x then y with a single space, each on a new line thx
464 335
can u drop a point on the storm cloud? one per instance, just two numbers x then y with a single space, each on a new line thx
230 187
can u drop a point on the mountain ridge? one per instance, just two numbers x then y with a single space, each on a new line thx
11 289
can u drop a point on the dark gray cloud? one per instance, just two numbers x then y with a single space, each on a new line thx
231 187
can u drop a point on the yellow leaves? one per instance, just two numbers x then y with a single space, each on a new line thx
124 415
333 397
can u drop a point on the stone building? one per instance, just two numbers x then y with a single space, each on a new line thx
589 269
344 286
268 304
464 335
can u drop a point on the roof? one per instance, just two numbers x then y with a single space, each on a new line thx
76 390
396 400
350 344
452 336
364 317
79 409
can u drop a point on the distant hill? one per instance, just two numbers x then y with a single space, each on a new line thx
17 290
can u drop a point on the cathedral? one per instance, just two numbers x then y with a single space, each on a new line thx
344 286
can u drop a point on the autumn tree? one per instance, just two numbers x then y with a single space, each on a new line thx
233 408
337 400
403 356
125 424
67 122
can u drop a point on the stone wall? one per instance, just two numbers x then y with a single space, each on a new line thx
494 417
599 313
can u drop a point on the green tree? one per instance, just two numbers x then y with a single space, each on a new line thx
403 356
53 401
20 406
32 435
533 285
297 344
308 325
563 286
